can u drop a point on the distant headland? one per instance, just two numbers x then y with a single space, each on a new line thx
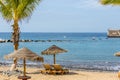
113 33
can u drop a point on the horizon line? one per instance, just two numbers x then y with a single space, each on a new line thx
56 32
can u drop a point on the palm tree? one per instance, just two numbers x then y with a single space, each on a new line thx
15 11
113 2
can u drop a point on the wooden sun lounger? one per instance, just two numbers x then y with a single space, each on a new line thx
58 69
48 69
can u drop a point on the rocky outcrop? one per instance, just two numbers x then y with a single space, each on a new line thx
5 41
113 33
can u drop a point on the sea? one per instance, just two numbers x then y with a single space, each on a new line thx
86 51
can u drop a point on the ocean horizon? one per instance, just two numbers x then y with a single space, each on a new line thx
88 51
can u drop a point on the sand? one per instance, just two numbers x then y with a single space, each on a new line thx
73 75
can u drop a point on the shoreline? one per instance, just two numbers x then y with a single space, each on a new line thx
64 66
73 75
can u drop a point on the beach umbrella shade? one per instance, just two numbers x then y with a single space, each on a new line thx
53 50
24 54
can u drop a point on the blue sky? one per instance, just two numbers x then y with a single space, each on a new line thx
69 16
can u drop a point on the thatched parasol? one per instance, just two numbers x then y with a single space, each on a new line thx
53 50
24 54
117 54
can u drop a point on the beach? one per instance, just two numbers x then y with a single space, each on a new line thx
62 42
72 75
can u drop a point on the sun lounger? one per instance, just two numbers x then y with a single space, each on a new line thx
58 69
47 69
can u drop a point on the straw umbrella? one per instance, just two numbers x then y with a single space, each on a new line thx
24 54
53 50
117 54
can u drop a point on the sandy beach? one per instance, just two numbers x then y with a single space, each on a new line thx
76 39
73 75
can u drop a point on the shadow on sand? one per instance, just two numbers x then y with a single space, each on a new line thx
70 73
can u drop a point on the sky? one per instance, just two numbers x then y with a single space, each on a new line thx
69 16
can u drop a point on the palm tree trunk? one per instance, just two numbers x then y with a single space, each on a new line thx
15 35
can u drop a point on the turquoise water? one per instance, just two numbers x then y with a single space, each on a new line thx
85 50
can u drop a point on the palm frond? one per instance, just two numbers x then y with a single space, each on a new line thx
21 9
112 2
26 8
5 11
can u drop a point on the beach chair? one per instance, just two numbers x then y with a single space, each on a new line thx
47 69
58 69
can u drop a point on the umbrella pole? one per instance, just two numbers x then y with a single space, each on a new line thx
24 61
54 59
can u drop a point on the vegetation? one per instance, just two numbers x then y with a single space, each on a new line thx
113 2
15 11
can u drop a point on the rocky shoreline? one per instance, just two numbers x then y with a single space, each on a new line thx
5 41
